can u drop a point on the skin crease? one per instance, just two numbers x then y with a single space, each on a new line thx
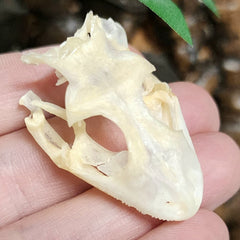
36 195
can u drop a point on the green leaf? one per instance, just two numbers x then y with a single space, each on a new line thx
172 15
211 5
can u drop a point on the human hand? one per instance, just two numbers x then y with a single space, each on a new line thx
40 201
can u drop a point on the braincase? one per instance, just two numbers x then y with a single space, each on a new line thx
98 65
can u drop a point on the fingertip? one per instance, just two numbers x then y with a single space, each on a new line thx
219 157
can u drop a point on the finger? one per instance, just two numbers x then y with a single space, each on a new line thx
39 171
198 107
204 225
16 79
92 215
29 179
219 157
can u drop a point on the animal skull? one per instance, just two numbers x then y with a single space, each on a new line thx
159 174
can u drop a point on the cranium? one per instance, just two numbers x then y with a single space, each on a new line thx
159 174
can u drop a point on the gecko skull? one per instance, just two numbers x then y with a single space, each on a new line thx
159 173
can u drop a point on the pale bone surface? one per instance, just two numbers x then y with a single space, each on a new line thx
159 174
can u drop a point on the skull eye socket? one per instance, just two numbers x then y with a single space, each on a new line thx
113 157
106 133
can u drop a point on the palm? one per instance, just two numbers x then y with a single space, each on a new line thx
40 201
